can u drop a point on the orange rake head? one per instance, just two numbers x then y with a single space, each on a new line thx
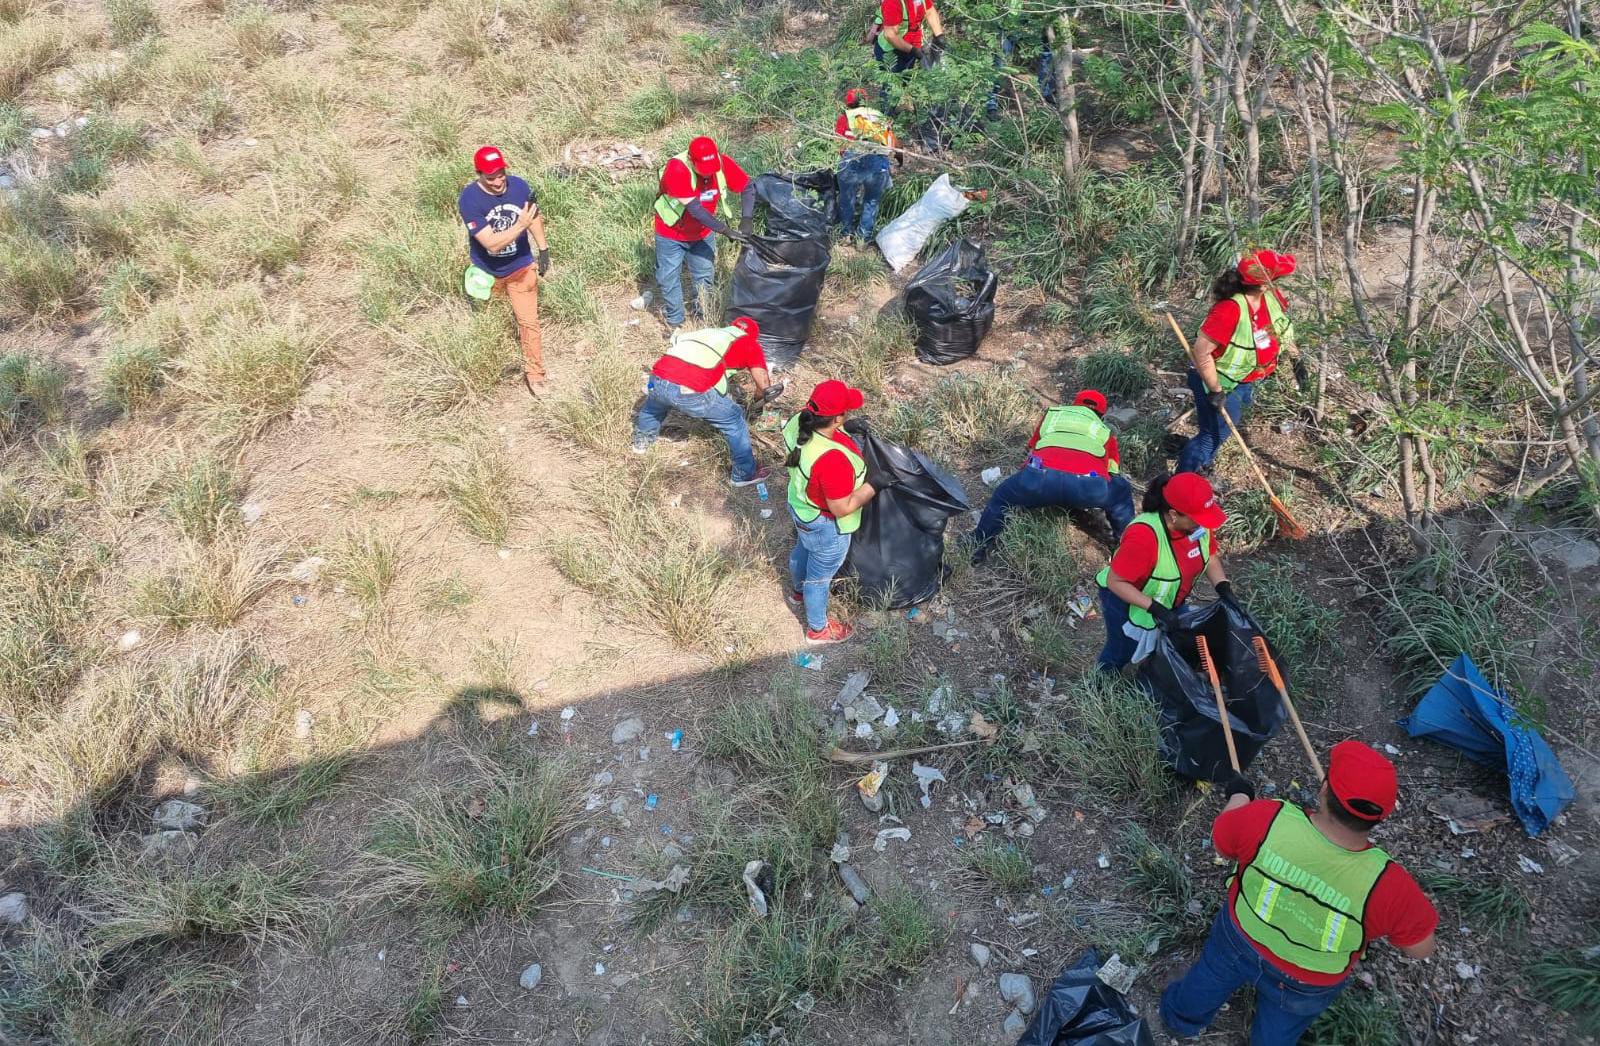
1204 650
1264 658
1287 524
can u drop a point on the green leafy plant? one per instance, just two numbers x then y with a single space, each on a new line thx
1113 373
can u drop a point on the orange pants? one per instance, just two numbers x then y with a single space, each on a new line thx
522 287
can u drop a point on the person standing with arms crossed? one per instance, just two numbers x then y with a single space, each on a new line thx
501 214
1308 896
828 485
691 206
1238 345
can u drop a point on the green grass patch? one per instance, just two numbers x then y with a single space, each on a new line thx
1111 742
986 413
483 490
455 359
32 392
243 378
202 498
1570 981
1114 373
134 376
1003 867
1304 628
1360 1017
40 281
1493 906
130 904
279 797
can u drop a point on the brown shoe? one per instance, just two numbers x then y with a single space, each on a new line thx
534 379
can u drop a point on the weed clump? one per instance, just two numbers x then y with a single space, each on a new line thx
481 486
1004 867
134 375
986 413
1114 373
31 391
1111 741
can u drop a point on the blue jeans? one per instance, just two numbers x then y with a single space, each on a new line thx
1039 487
1047 72
663 397
1119 648
1200 451
670 257
902 59
818 554
1285 1008
865 175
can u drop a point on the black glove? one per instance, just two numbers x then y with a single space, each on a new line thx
918 55
1302 375
746 226
1225 593
881 481
544 261
1218 400
1237 784
771 392
1166 617
938 45
738 236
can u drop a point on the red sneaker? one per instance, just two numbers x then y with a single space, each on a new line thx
795 599
836 632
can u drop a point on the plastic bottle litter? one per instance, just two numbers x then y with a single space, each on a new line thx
859 891
761 491
811 661
651 800
676 737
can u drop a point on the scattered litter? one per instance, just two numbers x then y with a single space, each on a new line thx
604 778
675 881
766 513
129 640
567 713
1022 794
806 1002
1103 861
666 829
980 954
1391 749
302 724
926 776
855 684
913 614
461 1001
251 512
937 699
1017 989
753 890
644 754
1466 971
853 882
863 730
617 159
1466 812
642 302
504 553
870 785
533 728
599 969
1529 866
14 908
1561 852
1117 975
676 737
862 708
178 815
811 661
841 850
881 843
990 476
981 727
298 601
651 800
1082 1008
1081 605
627 730
1022 919
891 718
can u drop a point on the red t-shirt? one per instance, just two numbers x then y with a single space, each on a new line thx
831 475
744 352
1397 908
1223 320
893 12
680 183
1076 462
1135 558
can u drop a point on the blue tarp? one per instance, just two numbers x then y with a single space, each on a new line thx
1463 711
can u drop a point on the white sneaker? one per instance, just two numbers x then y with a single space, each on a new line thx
638 448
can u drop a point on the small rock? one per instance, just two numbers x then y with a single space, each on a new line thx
1466 971
1017 989
1120 418
82 121
461 1001
531 977
162 842
129 640
177 815
41 133
1014 1024
249 143
13 908
302 724
1567 548
627 730
251 511
604 778
853 882
308 570
980 955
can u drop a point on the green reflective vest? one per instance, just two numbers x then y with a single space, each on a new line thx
1075 428
705 349
1240 356
670 209
869 125
1165 579
1302 897
800 474
912 13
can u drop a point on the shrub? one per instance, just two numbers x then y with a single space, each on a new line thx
1570 979
1166 886
1039 566
1494 907
1303 627
1114 373
133 903
1370 1018
1437 608
1252 522
650 109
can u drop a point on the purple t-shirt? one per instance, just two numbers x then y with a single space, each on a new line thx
481 210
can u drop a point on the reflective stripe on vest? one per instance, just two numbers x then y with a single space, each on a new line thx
800 475
705 349
1075 428
869 125
670 209
1165 578
1240 356
1303 898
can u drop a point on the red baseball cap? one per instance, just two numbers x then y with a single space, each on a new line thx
749 326
1190 494
704 156
854 95
832 398
1094 399
489 160
1357 772
1260 266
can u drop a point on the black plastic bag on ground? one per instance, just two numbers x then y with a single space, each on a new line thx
799 206
951 302
777 284
1081 1010
897 554
1191 734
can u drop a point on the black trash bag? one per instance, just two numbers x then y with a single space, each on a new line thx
1082 1010
1191 735
777 284
897 554
951 302
799 206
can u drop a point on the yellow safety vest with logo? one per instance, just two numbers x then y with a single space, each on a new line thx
1302 897
800 475
1165 579
670 209
705 349
1241 356
869 125
1075 427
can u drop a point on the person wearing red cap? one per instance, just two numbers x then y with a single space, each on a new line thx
693 204
1072 462
1162 551
828 485
1237 346
692 378
1308 896
864 163
501 213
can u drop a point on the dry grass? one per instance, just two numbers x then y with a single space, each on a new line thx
40 281
211 585
241 378
483 489
455 359
598 414
366 564
30 47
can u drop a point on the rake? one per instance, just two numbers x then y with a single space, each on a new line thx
1270 667
1204 650
1286 522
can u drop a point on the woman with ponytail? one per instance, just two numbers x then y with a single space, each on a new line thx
1166 547
827 487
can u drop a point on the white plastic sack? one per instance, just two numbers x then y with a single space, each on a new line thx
902 238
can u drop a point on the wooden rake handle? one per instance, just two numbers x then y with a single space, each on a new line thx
1270 666
1204 649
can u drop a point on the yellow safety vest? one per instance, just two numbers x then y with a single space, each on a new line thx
1075 427
705 349
670 209
800 475
1166 578
1240 356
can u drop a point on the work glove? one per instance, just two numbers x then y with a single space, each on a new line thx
1225 593
747 226
918 55
938 45
1237 784
771 392
1166 617
881 481
739 236
544 261
1218 400
1302 374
